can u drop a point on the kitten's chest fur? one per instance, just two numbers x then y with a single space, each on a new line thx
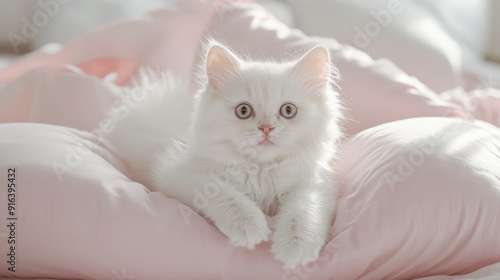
265 183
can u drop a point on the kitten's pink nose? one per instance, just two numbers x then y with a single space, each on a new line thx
266 129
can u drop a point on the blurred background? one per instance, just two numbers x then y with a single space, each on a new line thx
464 34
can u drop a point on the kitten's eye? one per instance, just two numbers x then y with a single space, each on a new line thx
288 110
243 111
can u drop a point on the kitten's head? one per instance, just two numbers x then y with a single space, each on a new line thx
267 110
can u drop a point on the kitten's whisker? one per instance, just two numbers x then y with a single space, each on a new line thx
321 114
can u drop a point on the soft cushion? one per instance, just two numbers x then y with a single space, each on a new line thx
419 197
78 216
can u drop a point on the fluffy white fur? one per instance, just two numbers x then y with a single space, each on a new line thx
199 151
152 115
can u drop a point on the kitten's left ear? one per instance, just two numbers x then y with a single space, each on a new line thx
313 70
221 64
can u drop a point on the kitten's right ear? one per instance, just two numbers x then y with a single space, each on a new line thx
313 69
221 64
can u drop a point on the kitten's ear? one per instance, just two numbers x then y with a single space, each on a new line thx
313 70
221 63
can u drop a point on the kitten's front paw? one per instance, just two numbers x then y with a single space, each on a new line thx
295 248
246 229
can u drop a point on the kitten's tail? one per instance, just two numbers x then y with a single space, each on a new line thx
154 114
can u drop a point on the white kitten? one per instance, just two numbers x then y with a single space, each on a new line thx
259 140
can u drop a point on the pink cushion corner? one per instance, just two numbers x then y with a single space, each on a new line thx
102 67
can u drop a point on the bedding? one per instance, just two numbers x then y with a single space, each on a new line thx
79 216
400 33
6 60
452 36
420 188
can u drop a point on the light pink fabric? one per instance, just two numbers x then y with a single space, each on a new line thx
405 212
491 272
428 205
422 195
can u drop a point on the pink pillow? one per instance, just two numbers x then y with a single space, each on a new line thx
78 216
420 197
